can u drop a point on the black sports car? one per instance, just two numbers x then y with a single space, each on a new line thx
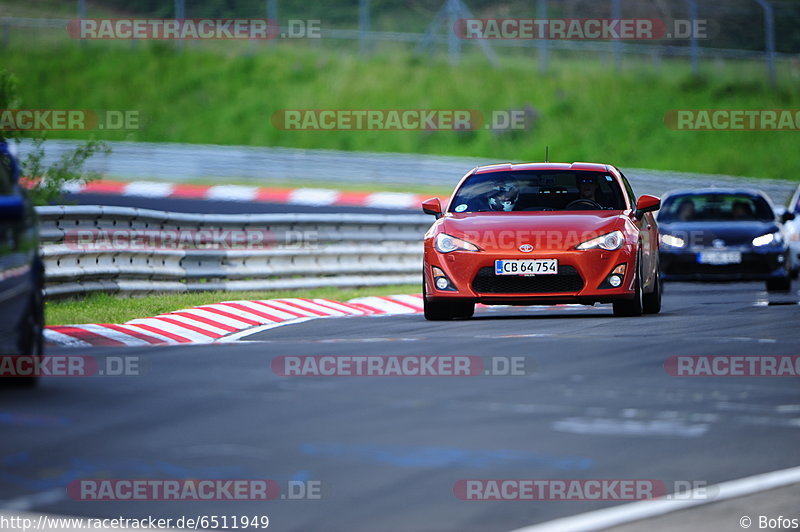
21 273
722 235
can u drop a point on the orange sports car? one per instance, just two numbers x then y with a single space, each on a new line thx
542 234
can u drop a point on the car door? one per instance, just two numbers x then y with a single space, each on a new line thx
17 251
648 234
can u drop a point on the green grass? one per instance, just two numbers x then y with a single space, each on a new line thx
108 308
585 111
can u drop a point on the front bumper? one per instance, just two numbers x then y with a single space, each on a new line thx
756 265
579 280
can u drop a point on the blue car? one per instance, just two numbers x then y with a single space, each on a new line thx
723 235
21 278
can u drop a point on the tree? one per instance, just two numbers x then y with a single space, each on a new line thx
45 182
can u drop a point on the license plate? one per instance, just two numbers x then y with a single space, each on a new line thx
526 267
719 257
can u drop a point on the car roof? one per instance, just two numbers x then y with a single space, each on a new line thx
577 166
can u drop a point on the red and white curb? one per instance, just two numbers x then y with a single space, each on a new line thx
294 196
224 321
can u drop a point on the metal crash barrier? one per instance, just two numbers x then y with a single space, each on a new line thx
89 248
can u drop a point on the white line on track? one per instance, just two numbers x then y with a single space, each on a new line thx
253 330
636 511
28 502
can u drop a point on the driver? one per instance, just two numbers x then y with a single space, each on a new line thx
503 197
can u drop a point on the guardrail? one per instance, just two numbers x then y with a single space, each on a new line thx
122 249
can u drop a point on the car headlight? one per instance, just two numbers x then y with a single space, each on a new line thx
445 243
769 238
673 241
609 242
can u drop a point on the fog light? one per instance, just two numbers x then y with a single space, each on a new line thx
781 258
441 281
614 279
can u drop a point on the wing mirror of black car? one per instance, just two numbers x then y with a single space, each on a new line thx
432 206
787 216
646 203
12 208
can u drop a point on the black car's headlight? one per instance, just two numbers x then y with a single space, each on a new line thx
775 239
673 241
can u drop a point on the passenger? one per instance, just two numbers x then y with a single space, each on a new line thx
741 210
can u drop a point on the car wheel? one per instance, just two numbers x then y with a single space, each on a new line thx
784 284
632 307
31 341
651 303
445 310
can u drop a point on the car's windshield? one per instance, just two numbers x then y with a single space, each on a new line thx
538 191
715 208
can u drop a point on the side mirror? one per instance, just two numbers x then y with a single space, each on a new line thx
12 208
432 206
787 216
647 203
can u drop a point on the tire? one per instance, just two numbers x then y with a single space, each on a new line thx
632 307
651 303
31 340
784 284
445 310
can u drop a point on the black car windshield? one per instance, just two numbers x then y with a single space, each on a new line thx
714 207
535 190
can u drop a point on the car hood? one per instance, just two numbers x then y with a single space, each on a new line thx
543 230
730 233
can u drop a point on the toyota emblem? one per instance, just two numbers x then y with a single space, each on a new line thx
526 248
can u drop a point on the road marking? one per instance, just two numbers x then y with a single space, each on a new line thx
255 330
629 427
52 335
28 502
636 511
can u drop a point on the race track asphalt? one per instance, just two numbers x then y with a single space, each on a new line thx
596 403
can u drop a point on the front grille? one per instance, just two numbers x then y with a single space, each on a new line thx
567 280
